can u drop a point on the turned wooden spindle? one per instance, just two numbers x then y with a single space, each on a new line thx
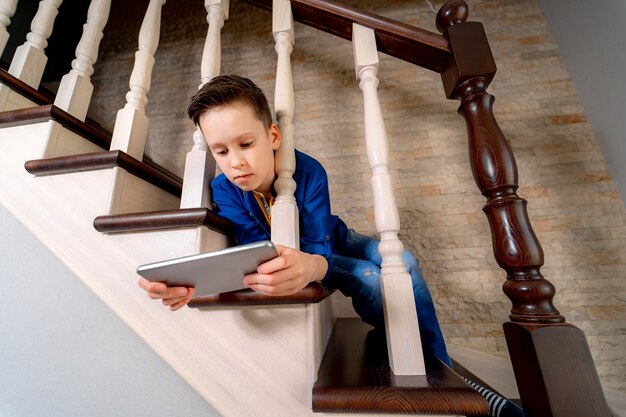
75 90
7 10
401 325
30 60
552 362
199 163
131 124
285 223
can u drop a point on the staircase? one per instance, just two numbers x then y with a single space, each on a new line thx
103 210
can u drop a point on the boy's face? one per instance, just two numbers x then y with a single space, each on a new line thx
242 145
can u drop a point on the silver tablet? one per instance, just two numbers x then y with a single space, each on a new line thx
211 272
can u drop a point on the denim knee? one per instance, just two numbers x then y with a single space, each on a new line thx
360 280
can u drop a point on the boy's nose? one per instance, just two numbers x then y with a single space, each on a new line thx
237 161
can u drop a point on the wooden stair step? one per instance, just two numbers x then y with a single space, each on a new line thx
164 219
43 113
102 160
311 294
355 377
92 132
41 96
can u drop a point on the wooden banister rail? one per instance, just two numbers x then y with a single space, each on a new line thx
418 46
553 366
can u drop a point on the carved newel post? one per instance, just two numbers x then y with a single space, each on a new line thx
552 362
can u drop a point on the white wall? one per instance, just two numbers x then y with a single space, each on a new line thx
590 36
64 353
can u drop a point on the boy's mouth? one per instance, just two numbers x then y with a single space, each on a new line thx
243 177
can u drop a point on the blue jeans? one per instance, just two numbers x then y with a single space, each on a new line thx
357 275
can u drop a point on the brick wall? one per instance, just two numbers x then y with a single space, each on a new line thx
573 206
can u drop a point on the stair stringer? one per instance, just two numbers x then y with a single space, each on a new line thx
245 361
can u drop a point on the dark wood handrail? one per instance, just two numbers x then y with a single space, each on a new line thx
418 46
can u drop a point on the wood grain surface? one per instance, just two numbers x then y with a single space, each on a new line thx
166 219
355 377
312 293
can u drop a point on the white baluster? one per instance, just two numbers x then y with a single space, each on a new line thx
75 90
285 225
7 10
199 164
131 124
403 338
30 60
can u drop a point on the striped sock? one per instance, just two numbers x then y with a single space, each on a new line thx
498 406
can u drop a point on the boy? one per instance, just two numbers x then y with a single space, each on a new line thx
235 119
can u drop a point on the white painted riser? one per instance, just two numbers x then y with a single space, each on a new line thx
244 362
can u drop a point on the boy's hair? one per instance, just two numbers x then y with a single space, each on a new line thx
229 89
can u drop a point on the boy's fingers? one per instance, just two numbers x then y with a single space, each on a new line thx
169 292
179 304
184 301
149 286
282 261
280 249
273 279
275 290
173 300
170 301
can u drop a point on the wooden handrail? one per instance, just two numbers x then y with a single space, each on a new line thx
418 46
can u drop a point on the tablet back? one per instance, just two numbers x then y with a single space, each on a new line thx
211 272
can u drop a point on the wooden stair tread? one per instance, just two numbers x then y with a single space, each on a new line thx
102 160
355 377
41 96
163 219
37 114
92 132
312 293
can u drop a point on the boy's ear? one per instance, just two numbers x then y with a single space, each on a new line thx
275 136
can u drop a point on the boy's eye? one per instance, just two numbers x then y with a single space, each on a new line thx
246 144
220 151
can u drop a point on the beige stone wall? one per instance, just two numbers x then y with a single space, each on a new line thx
573 205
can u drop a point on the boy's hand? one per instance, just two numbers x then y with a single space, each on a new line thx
174 297
288 273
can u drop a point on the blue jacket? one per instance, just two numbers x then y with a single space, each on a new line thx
321 233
